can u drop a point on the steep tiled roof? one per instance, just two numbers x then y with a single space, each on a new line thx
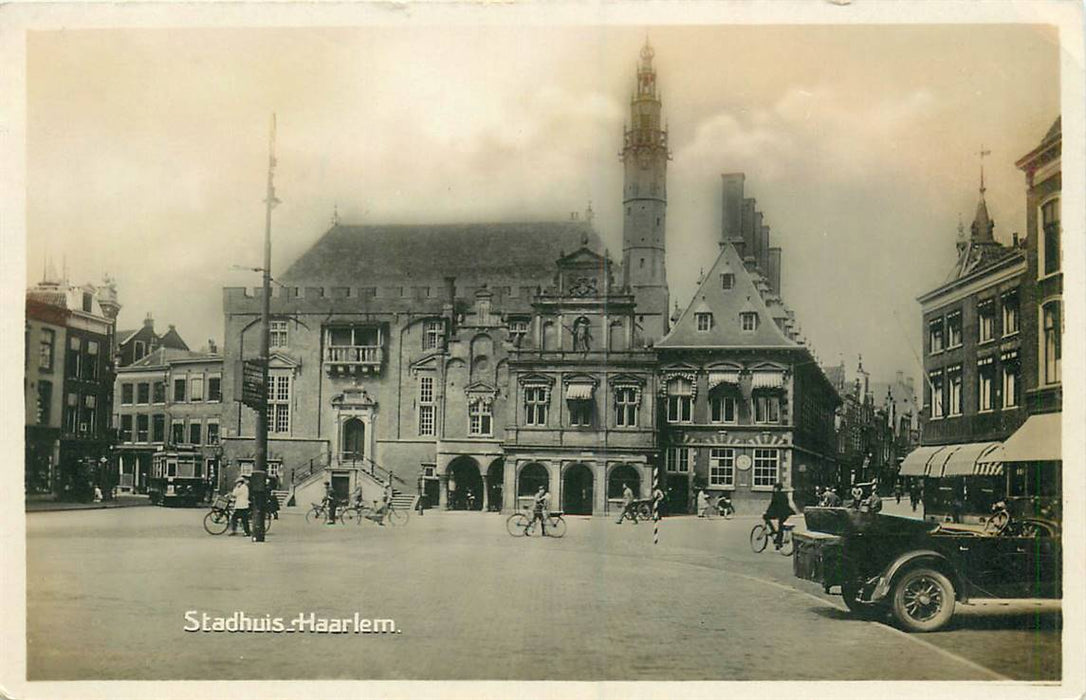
163 356
726 305
172 339
358 255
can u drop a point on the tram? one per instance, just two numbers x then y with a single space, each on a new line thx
179 477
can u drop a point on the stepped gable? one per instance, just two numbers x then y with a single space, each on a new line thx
726 305
353 255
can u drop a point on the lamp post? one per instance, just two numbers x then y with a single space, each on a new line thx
258 482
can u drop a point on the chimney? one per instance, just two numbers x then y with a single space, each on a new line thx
731 228
149 322
775 270
1014 239
747 227
211 347
759 249
763 248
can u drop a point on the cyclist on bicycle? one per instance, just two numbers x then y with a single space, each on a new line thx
780 510
381 511
330 503
539 509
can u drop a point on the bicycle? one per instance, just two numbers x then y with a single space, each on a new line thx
523 524
761 533
361 511
720 508
218 518
319 512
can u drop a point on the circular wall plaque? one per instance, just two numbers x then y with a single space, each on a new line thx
743 462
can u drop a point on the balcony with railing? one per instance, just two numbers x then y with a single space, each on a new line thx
352 350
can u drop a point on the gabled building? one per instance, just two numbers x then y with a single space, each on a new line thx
133 345
745 404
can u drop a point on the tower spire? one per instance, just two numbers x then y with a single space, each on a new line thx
983 152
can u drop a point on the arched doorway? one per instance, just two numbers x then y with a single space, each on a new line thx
495 480
465 484
354 440
532 476
577 484
623 474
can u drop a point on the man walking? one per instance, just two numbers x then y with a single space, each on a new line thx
241 506
627 506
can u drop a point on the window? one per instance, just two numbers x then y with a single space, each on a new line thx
143 393
71 414
1051 350
480 417
177 433
1050 224
143 423
137 350
626 404
985 320
766 467
727 281
678 460
723 407
748 321
158 428
767 408
1010 313
196 389
127 394
277 334
89 422
278 403
985 382
1011 372
680 400
178 390
935 380
535 405
45 401
935 335
354 344
213 432
195 430
954 329
722 467
45 349
580 413
75 358
126 428
704 320
158 392
954 390
91 366
214 388
431 334
518 328
426 405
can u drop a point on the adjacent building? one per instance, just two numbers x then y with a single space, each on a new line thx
133 345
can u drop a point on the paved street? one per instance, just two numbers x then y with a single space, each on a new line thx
108 592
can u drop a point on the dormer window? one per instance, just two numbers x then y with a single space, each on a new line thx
518 328
748 321
431 334
727 281
704 320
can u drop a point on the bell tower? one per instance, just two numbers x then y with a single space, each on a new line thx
644 198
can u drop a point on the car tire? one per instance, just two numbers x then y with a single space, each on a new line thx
922 600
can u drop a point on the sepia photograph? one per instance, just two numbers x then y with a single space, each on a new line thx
620 345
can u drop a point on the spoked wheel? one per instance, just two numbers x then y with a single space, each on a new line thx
216 522
397 518
727 512
351 516
758 538
997 522
314 515
517 524
556 527
267 521
923 600
787 545
644 511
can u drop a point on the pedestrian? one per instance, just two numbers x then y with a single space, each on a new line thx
97 494
830 499
914 495
898 493
241 506
857 498
872 504
540 506
627 505
330 500
703 503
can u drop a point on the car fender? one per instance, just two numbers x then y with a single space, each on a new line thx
936 559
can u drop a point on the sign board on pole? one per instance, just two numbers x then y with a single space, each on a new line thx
252 384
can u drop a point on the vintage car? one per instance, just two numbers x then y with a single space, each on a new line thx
917 570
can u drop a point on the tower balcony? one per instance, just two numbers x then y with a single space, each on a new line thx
344 360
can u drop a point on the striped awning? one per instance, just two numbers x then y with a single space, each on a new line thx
918 462
767 380
579 391
964 460
718 378
1038 440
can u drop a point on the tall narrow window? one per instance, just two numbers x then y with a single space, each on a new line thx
196 389
1050 225
214 388
45 350
1010 313
985 320
179 390
727 281
431 334
91 367
127 393
704 320
143 422
75 358
279 403
954 390
767 407
722 467
935 335
143 393
985 384
680 400
1051 350
158 392
518 328
158 428
71 414
213 432
1011 371
126 428
723 407
936 384
426 405
954 329
277 334
177 432
766 467
480 417
626 404
535 405
45 401
748 321
678 460
195 430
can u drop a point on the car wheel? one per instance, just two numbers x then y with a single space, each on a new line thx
922 600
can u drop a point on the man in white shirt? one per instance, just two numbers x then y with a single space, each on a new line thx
241 506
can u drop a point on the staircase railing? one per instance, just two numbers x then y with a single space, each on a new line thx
373 469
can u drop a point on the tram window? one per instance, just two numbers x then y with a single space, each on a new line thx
171 467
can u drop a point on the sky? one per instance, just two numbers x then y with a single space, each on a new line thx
147 151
